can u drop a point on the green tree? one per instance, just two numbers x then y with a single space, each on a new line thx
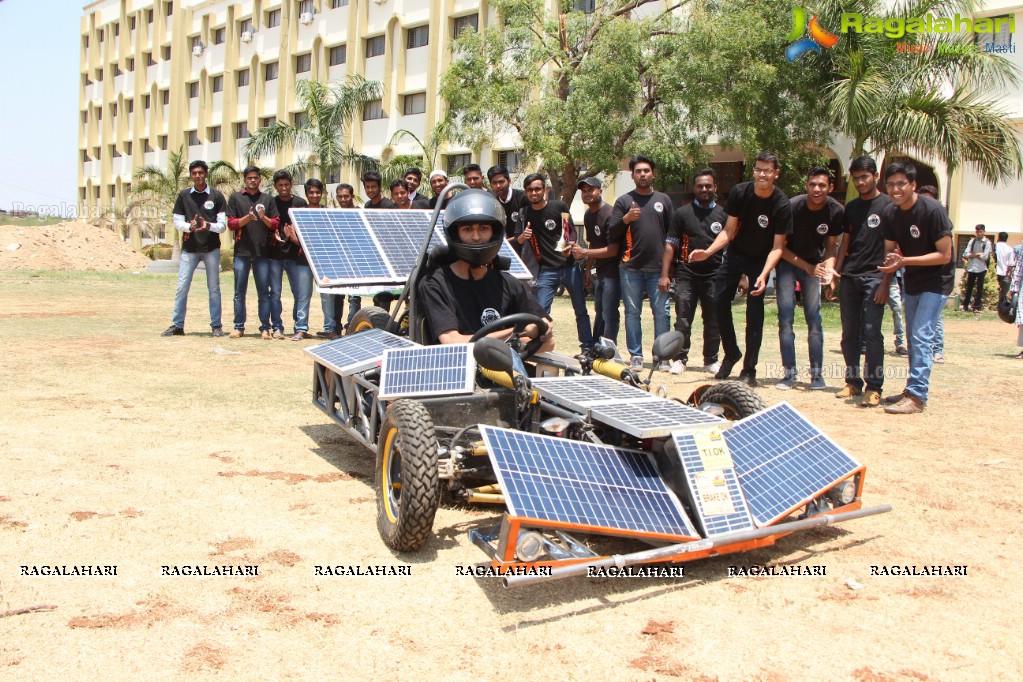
329 109
155 190
227 178
425 158
940 101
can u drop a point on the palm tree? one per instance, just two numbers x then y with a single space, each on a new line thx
425 159
227 178
329 110
158 189
926 102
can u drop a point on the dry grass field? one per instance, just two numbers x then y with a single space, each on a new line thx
121 448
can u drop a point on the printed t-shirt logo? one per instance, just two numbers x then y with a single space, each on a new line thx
596 230
659 207
715 227
822 228
489 315
208 205
550 224
873 220
763 220
914 231
515 216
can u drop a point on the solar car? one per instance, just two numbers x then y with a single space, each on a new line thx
573 449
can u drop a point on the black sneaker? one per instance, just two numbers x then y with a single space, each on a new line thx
726 368
749 378
218 331
173 331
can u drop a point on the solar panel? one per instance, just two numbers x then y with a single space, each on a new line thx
653 419
582 393
603 488
783 461
358 352
428 370
714 493
355 247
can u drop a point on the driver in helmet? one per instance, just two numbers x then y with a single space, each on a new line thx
460 298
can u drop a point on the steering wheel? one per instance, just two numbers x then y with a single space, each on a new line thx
517 322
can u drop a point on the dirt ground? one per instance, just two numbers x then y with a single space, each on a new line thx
119 447
72 245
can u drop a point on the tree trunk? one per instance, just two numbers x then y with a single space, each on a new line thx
569 178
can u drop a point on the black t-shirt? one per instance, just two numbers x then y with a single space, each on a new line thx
450 302
551 224
811 229
917 231
865 250
596 224
516 203
421 202
208 204
760 219
642 241
384 203
253 239
287 249
694 227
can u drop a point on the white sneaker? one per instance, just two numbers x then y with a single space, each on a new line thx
677 367
712 367
663 367
636 364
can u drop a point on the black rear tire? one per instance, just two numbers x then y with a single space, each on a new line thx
737 399
370 317
407 485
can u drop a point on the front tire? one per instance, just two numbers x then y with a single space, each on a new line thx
370 317
407 485
736 398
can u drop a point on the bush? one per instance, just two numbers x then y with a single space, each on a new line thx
159 251
226 259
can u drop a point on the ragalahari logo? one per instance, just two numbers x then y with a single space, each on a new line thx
816 37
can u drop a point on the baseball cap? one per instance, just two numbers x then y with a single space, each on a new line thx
592 182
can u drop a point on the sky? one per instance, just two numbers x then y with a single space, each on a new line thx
39 119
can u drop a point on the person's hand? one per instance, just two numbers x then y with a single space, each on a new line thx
881 295
578 252
743 285
568 248
759 287
199 224
527 234
698 255
829 291
663 284
587 278
892 262
633 214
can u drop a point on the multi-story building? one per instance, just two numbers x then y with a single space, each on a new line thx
159 75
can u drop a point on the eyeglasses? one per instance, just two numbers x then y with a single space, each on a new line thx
897 185
762 171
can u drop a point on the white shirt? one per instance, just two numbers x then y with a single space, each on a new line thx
978 253
1006 258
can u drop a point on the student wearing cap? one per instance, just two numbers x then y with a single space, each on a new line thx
438 181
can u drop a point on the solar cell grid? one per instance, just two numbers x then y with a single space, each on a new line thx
714 515
783 461
584 392
431 370
653 419
608 488
358 352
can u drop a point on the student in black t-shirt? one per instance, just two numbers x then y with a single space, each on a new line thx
601 256
200 213
917 236
809 259
371 184
438 181
283 253
413 178
252 216
759 220
512 200
460 298
549 232
333 306
863 289
400 194
948 279
695 226
640 221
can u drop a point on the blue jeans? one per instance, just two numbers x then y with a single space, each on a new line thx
333 307
922 314
633 284
260 268
939 333
300 277
572 277
895 305
787 276
277 267
186 268
607 299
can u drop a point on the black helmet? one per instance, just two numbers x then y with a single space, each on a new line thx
474 206
1007 308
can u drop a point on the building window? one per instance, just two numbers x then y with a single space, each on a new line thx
242 77
414 104
99 113
374 46
303 63
270 71
117 30
145 101
85 117
587 6
148 56
166 53
114 153
127 148
85 156
86 81
218 84
193 138
245 26
193 89
85 42
470 22
510 159
146 146
241 130
373 109
301 119
113 109
95 153
131 106
456 162
338 55
95 193
99 75
117 70
418 37
219 36
170 8
165 97
267 122
149 16
162 140
273 18
130 63
305 7
99 34
131 24
213 134
196 41
334 4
